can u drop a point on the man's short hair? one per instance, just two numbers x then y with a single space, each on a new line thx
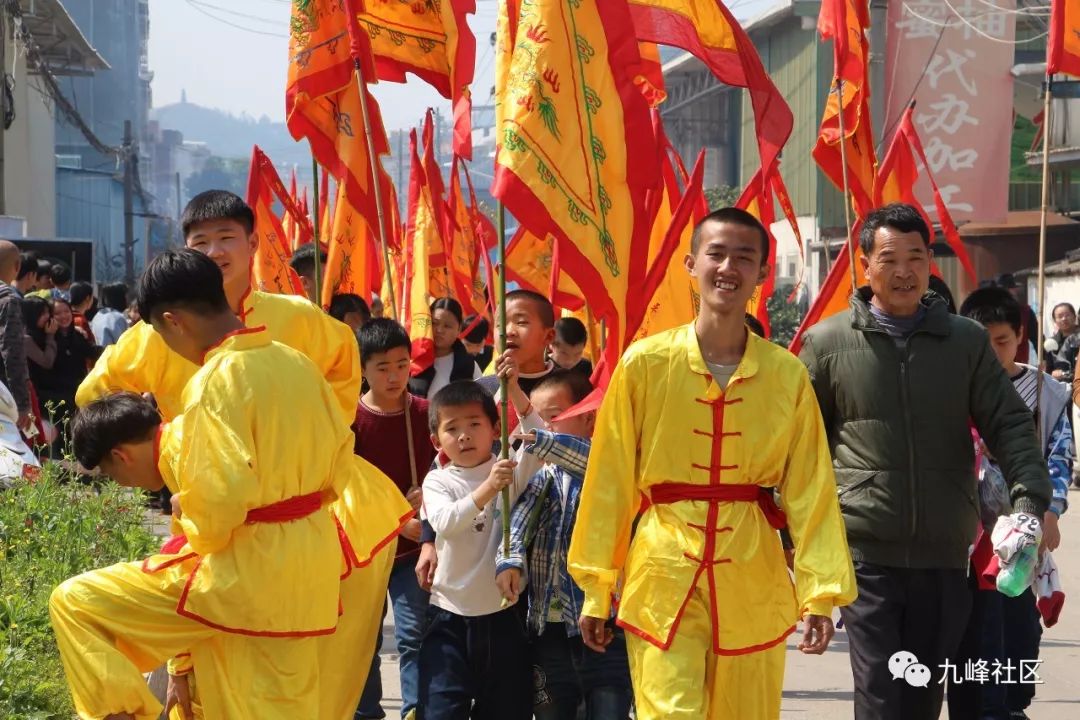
459 394
542 305
480 329
573 380
991 305
897 216
80 291
381 335
732 216
217 205
571 331
115 296
939 286
303 260
104 424
342 304
184 279
60 273
28 264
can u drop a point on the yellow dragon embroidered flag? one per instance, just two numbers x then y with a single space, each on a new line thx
570 114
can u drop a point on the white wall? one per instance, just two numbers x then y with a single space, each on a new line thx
30 160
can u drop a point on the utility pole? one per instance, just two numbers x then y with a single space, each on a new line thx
129 206
179 214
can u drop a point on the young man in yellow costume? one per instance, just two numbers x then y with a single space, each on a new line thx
255 577
220 225
703 422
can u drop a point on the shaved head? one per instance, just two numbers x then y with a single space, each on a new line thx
9 261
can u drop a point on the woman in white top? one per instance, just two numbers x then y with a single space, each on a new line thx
452 360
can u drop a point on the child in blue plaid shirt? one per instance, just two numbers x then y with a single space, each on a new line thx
566 672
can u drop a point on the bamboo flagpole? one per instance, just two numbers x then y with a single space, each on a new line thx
1042 253
500 346
357 45
847 196
315 220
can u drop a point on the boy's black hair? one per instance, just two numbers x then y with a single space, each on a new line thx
217 205
458 394
381 335
115 296
755 325
44 267
544 310
479 331
342 304
993 305
571 331
732 216
60 273
573 380
28 264
940 287
80 291
181 279
898 216
303 260
33 306
450 305
105 423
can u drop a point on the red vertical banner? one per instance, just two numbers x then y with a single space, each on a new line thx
954 59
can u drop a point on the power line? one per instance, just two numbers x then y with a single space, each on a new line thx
196 8
965 22
234 13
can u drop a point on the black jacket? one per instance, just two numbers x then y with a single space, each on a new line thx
464 369
13 370
898 427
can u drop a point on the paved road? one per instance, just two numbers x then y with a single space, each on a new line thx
819 688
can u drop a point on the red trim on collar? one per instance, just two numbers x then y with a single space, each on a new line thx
234 333
245 311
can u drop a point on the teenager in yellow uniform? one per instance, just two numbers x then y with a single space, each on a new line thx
220 225
704 421
260 558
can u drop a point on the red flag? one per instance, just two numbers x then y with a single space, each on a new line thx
270 266
1063 43
707 30
423 223
895 182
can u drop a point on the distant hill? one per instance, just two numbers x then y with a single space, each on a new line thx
231 136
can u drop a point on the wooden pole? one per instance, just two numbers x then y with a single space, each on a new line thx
1042 253
315 230
376 184
847 197
500 343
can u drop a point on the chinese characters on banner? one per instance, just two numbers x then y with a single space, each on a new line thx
964 98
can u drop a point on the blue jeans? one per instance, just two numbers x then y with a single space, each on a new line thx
410 603
566 673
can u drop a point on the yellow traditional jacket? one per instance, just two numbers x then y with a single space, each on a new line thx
233 453
141 361
664 419
371 510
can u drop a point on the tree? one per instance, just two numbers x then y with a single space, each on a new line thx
784 316
219 174
722 196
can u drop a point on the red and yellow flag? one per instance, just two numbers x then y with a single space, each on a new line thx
464 248
323 101
1063 43
845 23
572 163
530 263
895 182
270 266
353 261
650 79
707 30
833 295
432 40
422 225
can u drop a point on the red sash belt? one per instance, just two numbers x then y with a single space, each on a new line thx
668 493
293 508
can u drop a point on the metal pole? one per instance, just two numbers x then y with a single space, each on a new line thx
376 182
315 229
1042 252
847 203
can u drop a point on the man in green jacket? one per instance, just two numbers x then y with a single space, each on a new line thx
900 381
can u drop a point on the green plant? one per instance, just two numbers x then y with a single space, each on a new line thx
722 196
52 528
784 316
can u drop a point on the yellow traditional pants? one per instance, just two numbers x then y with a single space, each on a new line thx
688 681
345 657
114 624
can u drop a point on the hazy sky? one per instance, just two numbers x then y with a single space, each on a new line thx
233 55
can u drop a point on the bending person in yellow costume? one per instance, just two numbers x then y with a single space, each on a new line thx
255 577
220 225
704 421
